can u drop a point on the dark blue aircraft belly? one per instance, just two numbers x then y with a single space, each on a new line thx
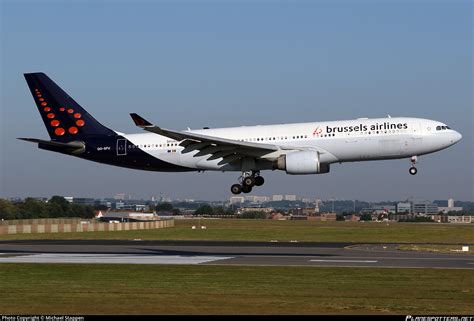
104 150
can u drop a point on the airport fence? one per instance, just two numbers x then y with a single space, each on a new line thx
61 220
81 226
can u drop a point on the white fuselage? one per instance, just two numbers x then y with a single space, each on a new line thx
343 141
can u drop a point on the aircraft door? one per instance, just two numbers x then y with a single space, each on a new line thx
121 147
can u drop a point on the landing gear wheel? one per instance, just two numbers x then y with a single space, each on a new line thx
413 170
246 189
259 181
248 181
236 189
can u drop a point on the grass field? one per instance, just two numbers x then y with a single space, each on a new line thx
159 289
267 230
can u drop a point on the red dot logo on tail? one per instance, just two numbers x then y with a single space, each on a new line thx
59 131
73 130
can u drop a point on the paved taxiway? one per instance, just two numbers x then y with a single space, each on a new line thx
227 253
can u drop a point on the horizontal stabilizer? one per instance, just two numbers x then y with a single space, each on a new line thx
74 147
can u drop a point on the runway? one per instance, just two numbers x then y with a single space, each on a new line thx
227 253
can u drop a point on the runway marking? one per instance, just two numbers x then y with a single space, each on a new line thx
345 261
110 258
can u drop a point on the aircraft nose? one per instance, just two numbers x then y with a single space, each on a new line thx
456 137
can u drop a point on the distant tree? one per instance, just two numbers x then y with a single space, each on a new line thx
340 217
176 211
32 208
204 210
78 210
8 211
254 215
61 201
55 210
166 207
366 217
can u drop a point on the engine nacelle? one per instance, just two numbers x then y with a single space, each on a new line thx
299 163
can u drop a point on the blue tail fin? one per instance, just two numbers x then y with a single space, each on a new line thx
64 119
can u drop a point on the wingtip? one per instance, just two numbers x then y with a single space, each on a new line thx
140 121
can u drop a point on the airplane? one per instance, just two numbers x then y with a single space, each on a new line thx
297 149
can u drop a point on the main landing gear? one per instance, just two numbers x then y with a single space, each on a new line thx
247 181
413 169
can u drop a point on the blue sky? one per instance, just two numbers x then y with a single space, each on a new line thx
230 63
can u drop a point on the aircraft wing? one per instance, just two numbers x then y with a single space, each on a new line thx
215 147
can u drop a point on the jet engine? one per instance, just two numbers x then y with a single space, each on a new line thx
299 163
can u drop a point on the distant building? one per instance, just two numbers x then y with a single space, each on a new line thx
425 208
260 199
438 218
277 198
118 205
323 217
450 208
317 204
378 209
70 199
387 208
304 211
404 207
401 217
450 203
460 218
84 201
103 202
120 196
290 197
141 207
236 200
41 199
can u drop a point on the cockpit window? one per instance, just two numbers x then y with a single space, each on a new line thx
438 127
447 127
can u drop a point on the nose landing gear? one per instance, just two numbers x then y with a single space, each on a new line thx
247 181
413 169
